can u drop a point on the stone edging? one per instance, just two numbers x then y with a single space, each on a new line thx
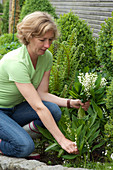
9 163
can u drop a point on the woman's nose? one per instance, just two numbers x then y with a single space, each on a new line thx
47 44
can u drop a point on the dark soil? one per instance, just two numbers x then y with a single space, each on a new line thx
50 159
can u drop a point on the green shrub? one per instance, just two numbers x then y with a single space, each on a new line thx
109 138
21 3
6 43
66 24
5 18
7 38
8 47
109 99
1 8
34 5
105 45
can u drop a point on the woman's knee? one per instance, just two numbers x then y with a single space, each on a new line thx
25 149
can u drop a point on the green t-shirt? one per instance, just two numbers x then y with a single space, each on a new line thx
16 66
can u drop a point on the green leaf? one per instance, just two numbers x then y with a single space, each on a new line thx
100 91
86 69
53 146
73 94
76 76
81 138
99 145
94 136
101 102
90 111
92 92
81 146
45 133
79 130
98 81
71 156
81 113
74 122
97 109
77 87
93 129
100 113
60 153
92 120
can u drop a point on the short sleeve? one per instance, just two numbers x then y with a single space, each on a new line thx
17 72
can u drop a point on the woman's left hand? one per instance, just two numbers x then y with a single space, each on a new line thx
76 103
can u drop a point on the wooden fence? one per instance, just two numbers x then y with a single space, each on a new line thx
94 12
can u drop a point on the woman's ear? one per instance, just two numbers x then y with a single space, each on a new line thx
29 37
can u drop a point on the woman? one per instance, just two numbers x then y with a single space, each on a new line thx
24 96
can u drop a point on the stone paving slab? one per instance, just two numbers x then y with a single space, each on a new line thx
9 163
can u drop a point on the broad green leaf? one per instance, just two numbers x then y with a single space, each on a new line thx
60 153
74 122
63 127
98 97
77 87
98 81
81 113
101 102
92 120
79 130
97 109
86 69
67 112
81 138
90 111
99 145
70 156
92 92
74 95
54 146
81 146
45 133
100 91
94 136
100 113
92 129
76 76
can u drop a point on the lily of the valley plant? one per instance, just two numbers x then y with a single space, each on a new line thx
84 128
89 86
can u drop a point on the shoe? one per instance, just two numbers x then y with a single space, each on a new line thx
35 156
32 130
0 150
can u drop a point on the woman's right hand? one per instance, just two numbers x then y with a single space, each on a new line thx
69 146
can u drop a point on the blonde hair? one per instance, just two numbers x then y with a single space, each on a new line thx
35 24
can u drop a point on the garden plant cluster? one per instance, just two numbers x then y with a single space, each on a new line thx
82 69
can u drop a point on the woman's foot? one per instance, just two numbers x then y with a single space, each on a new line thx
35 156
32 130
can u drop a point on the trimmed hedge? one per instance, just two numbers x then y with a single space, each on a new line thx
105 45
34 5
66 24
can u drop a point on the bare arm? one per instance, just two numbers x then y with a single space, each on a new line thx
44 95
32 97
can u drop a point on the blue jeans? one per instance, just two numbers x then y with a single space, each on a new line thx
16 142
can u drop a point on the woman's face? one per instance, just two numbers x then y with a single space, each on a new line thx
38 46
